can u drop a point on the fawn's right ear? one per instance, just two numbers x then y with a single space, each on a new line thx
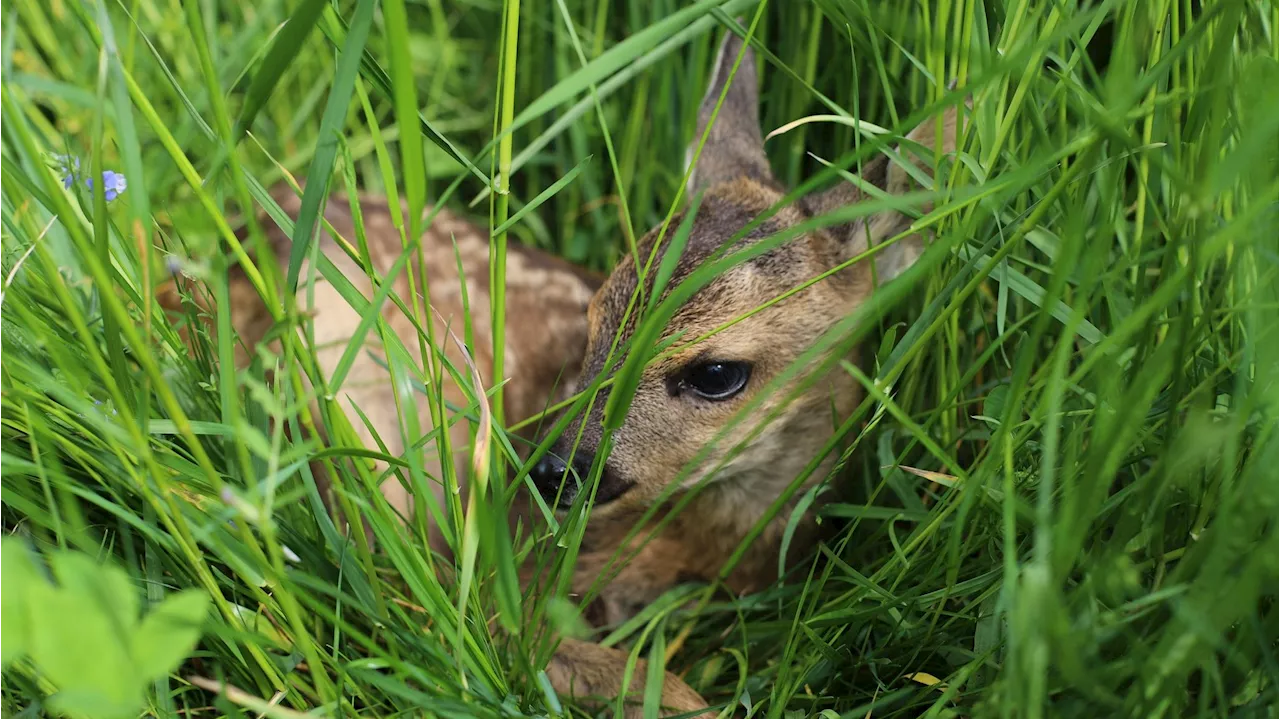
735 145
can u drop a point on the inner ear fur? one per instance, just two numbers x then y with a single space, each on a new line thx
735 146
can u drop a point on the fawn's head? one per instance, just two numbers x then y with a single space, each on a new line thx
688 396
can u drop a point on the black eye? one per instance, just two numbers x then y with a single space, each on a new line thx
716 380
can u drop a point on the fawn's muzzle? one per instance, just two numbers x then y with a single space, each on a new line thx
559 482
549 475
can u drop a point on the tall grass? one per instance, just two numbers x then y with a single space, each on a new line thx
1067 464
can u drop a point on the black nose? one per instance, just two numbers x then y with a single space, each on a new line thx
549 474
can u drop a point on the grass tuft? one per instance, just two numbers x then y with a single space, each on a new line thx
1065 472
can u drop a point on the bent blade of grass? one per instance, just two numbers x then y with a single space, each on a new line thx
1032 292
640 57
331 123
336 29
612 60
286 46
543 196
480 461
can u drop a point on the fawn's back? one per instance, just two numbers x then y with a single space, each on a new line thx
546 329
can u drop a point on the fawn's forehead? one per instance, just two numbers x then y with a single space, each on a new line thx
723 212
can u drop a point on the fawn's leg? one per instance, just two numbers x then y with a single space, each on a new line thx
583 669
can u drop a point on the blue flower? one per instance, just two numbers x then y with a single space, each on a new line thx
103 407
113 184
69 166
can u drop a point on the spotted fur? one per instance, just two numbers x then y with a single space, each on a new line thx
546 303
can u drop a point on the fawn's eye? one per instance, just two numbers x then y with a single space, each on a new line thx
716 381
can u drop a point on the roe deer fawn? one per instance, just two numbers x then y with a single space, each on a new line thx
685 399
562 322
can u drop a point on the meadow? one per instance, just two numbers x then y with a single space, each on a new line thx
1065 469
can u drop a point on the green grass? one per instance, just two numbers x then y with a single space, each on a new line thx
1087 361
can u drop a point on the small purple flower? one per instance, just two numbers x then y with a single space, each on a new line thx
69 166
113 184
173 264
103 407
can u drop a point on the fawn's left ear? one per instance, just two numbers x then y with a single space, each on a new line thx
939 136
735 146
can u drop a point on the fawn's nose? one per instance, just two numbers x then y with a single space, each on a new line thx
551 472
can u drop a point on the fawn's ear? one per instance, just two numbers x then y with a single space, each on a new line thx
735 146
939 136
894 179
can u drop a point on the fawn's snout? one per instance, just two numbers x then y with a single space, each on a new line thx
559 482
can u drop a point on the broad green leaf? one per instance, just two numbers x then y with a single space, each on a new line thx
104 584
78 701
169 633
18 576
997 399
77 646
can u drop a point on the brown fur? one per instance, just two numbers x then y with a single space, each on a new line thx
552 329
546 330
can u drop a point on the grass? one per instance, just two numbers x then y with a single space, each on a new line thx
1067 466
